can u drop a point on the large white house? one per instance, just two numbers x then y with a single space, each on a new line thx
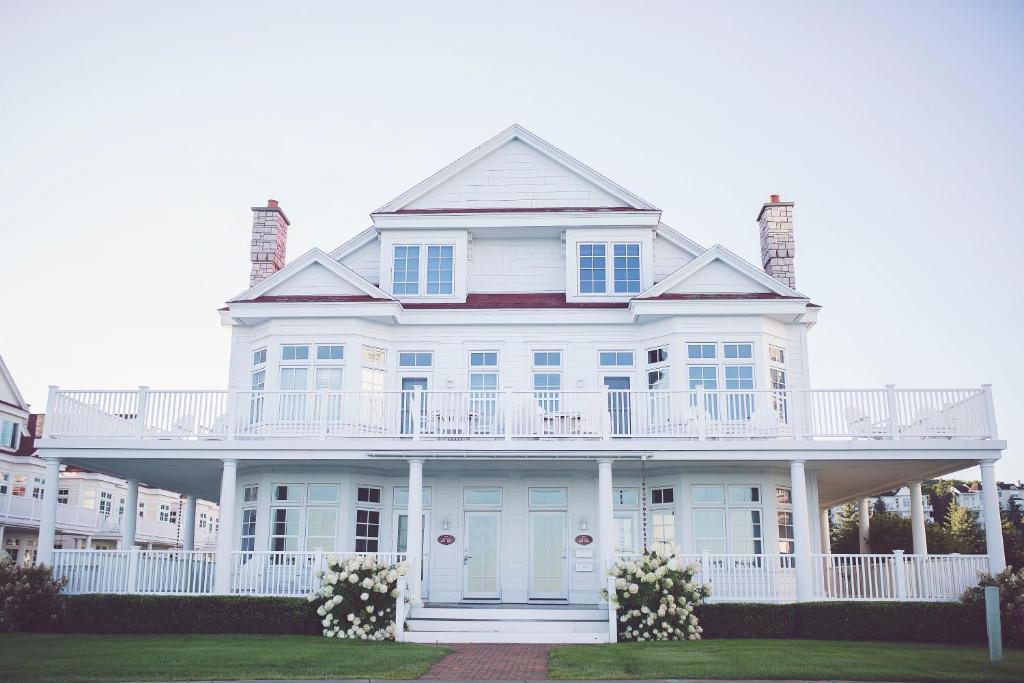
515 374
90 506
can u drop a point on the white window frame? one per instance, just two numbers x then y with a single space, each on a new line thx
726 508
609 266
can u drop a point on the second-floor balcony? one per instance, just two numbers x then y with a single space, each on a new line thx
697 414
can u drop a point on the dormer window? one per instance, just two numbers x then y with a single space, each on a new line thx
408 268
622 270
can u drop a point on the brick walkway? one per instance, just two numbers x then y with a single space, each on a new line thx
492 662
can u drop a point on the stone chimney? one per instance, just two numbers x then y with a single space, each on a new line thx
269 240
778 248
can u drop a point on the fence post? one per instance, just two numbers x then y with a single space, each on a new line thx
141 408
701 414
318 566
232 426
400 611
893 409
414 411
794 399
613 613
606 425
900 572
705 564
133 570
51 410
993 625
322 421
990 411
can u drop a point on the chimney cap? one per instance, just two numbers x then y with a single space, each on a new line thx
773 200
272 203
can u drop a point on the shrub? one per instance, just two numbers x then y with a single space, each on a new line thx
28 596
655 597
747 620
153 614
365 592
1011 601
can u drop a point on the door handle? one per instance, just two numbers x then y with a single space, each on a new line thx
466 556
565 555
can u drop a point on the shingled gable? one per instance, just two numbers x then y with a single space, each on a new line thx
314 275
729 275
515 171
9 393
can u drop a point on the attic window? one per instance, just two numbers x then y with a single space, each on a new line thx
411 260
596 270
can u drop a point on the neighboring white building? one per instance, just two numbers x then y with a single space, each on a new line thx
522 368
899 502
90 506
970 496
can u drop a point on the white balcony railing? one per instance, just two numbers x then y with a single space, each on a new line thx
458 415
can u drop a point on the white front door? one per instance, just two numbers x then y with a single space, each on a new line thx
401 545
480 565
549 556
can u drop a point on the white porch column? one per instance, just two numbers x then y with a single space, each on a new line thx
826 537
801 530
48 515
865 526
414 539
226 531
131 514
993 522
188 537
605 514
917 519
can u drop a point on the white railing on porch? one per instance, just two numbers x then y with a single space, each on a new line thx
179 572
772 578
887 413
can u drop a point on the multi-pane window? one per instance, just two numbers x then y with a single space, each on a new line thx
284 528
142 510
5 482
288 493
374 356
165 513
662 496
38 486
440 266
293 406
330 352
295 352
625 498
548 497
615 359
250 493
321 528
367 530
401 496
729 362
625 533
483 386
593 269
8 434
62 496
20 487
368 494
727 519
547 381
784 517
259 356
406 270
248 537
626 262
738 351
415 359
663 530
481 497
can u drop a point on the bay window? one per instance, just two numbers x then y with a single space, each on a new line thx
727 519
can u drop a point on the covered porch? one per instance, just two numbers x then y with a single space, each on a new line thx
530 528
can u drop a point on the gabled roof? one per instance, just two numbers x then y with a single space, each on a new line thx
362 239
719 254
312 258
8 381
540 149
680 240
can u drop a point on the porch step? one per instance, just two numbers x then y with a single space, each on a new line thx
511 625
492 637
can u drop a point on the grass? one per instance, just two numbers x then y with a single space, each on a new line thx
787 659
38 658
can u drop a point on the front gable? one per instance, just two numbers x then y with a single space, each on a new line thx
314 274
719 271
9 393
515 170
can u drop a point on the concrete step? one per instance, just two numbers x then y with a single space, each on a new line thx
511 627
511 614
501 637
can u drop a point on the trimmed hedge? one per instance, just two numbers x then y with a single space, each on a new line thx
146 614
919 622
911 622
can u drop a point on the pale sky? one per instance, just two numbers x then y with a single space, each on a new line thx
136 136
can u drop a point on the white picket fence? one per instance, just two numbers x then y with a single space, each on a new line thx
457 415
181 572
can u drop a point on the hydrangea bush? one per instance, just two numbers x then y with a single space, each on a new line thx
655 595
357 597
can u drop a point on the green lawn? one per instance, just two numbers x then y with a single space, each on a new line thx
34 658
792 659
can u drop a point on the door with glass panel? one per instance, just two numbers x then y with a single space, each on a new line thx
480 562
401 545
409 386
619 409
549 556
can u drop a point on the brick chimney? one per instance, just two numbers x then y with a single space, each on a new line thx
269 240
778 248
